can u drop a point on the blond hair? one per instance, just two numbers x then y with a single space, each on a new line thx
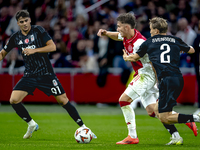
159 23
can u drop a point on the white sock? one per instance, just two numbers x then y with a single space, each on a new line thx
129 116
31 123
173 112
176 135
83 126
196 118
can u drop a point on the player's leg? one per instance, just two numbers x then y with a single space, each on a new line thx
65 103
24 87
172 87
15 101
149 102
129 115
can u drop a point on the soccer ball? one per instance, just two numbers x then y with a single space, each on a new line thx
83 135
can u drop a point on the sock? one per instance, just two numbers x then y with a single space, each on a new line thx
196 118
73 113
129 116
153 115
172 130
173 112
176 135
22 112
182 118
31 123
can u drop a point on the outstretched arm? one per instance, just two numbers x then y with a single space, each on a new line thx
132 58
50 47
112 35
3 53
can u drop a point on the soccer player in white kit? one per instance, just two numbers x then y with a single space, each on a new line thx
143 84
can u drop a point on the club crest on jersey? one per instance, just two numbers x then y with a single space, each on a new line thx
55 83
32 38
130 48
26 41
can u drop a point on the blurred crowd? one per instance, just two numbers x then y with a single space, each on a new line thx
73 26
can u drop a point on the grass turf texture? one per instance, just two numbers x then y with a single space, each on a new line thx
57 129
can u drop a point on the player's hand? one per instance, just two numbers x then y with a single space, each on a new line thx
125 55
101 32
28 52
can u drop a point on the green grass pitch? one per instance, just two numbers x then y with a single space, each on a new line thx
57 130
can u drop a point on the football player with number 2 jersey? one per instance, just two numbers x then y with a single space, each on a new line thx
164 53
35 43
143 84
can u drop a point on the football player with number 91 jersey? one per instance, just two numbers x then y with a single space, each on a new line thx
35 43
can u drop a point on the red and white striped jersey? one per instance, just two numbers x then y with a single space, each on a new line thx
142 66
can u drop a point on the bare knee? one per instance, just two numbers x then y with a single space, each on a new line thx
150 110
62 99
14 101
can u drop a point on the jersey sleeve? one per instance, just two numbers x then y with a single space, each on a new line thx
120 37
183 46
43 34
10 44
142 49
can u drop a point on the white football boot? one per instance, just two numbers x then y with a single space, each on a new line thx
176 141
30 130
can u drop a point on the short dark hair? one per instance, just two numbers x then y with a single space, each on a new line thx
127 18
22 13
160 24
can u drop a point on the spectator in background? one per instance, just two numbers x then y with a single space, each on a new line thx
12 26
102 50
151 10
139 8
4 20
13 62
184 10
87 61
194 21
169 6
187 34
81 24
173 25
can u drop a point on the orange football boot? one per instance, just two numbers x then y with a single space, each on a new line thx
129 140
193 127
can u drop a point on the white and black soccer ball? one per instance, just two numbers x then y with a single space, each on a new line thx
83 135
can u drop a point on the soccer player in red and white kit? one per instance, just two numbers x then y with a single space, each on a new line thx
143 83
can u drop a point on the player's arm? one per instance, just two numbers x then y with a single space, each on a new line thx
50 47
112 35
3 53
191 51
132 58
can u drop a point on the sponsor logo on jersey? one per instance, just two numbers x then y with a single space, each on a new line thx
32 38
30 47
26 41
55 83
20 42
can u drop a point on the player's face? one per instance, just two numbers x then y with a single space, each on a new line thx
24 24
122 29
153 31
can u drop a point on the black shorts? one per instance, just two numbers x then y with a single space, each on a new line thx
49 84
169 90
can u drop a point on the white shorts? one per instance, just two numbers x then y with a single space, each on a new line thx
143 87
